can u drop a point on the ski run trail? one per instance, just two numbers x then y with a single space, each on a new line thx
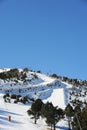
18 112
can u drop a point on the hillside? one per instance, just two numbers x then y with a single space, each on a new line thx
28 86
32 84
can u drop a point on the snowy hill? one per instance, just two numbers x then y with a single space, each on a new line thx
33 85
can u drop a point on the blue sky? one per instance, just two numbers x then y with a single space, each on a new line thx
46 35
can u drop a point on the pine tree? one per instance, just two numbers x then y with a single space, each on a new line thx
84 119
80 118
52 114
35 110
69 114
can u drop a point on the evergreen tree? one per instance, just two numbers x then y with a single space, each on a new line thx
69 113
80 119
51 113
84 119
35 110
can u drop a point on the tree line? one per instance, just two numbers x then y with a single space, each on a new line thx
76 117
46 110
75 82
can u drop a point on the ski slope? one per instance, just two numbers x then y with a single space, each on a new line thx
57 98
47 88
19 118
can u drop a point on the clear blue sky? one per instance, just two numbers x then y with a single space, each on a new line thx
46 35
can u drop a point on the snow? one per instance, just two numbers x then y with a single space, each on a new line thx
68 86
19 118
18 112
57 98
4 69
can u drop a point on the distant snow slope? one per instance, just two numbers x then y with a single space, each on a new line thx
57 98
46 79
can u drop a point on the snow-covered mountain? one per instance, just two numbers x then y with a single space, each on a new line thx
33 85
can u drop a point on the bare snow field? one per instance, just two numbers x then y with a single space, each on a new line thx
57 98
